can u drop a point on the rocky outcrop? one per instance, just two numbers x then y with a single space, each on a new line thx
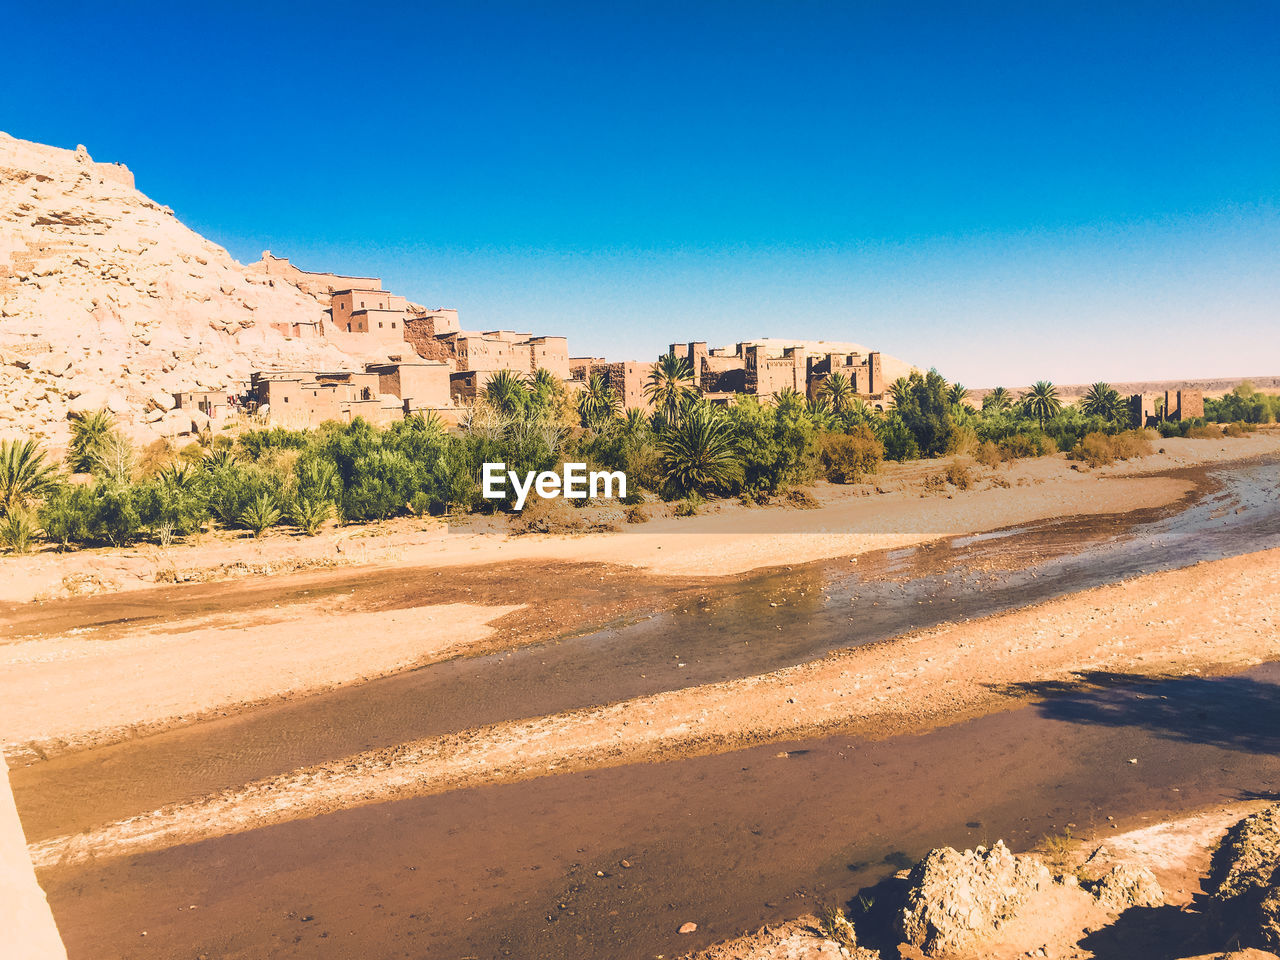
800 939
956 900
1244 880
1126 885
106 299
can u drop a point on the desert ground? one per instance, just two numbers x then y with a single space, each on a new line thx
289 707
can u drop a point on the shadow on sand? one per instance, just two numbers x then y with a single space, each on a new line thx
1234 712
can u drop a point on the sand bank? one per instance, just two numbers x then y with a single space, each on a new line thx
67 688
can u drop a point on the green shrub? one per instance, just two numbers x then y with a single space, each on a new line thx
775 446
309 515
173 505
899 442
233 487
17 530
382 485
690 505
922 402
114 515
255 444
261 514
848 457
66 515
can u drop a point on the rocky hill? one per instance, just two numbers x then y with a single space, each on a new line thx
106 299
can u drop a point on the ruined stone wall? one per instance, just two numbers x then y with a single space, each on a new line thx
420 333
1190 404
628 380
723 375
317 284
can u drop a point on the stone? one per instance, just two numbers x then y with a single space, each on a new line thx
955 900
160 400
1244 880
689 927
176 422
88 401
1126 885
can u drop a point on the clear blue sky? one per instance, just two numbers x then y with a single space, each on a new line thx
1006 191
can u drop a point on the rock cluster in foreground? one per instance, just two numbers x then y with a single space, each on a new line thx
994 904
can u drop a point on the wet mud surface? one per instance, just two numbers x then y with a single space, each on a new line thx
731 842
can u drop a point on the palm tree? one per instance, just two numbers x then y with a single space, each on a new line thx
17 530
900 389
997 401
635 422
697 452
178 475
24 475
958 394
261 514
819 411
1117 407
788 399
506 391
89 432
598 403
1104 401
1094 402
838 392
309 514
670 386
857 412
218 458
544 381
1042 401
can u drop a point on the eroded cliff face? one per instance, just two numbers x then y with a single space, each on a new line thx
106 299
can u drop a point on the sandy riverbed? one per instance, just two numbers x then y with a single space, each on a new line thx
82 686
1216 616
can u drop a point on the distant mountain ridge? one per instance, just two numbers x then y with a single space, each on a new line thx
1209 387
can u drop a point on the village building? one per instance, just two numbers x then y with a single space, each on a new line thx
214 404
767 367
627 379
1150 410
381 394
